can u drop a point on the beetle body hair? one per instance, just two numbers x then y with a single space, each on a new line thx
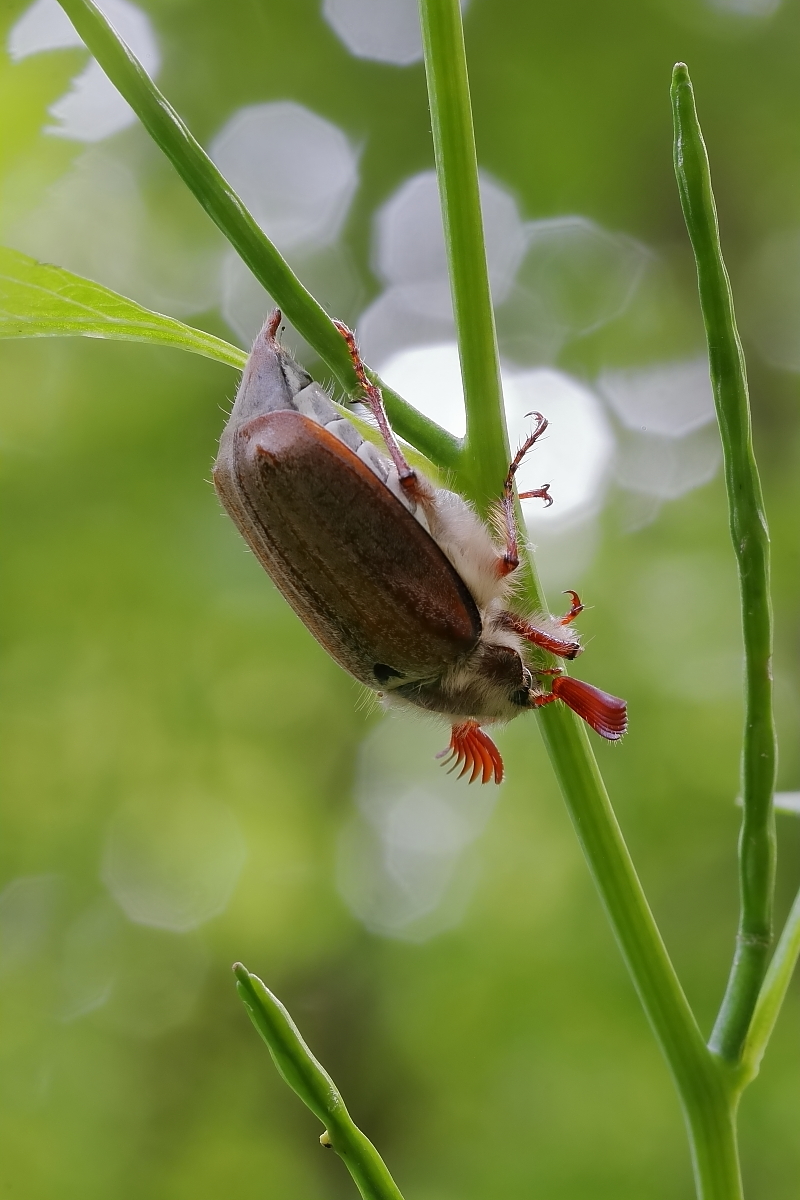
466 541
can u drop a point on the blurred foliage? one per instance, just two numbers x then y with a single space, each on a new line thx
147 658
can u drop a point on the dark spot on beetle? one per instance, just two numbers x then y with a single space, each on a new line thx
383 673
521 698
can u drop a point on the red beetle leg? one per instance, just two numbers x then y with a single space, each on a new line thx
510 558
563 647
373 398
607 715
474 751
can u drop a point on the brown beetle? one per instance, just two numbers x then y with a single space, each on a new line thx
399 580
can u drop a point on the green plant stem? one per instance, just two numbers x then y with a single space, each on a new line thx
748 524
773 993
312 1083
486 443
706 1088
610 863
228 212
712 1137
706 1092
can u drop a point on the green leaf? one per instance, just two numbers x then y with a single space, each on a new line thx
41 300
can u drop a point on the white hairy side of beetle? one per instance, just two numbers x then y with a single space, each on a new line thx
467 542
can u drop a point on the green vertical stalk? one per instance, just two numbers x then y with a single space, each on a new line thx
486 444
748 525
713 1142
705 1091
706 1088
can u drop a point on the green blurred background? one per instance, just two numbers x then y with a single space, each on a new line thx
188 780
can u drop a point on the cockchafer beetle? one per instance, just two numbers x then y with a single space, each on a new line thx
400 581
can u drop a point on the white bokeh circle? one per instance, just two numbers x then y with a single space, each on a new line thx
383 30
575 454
409 249
671 399
173 862
93 109
295 171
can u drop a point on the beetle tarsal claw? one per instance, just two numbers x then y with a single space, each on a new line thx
576 608
474 751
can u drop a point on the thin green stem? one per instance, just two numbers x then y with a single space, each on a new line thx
629 913
486 443
228 212
707 1087
703 1085
773 993
712 1138
312 1083
748 524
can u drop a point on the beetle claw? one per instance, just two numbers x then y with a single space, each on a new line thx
474 751
576 608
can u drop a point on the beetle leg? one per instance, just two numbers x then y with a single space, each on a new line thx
473 750
373 398
607 715
576 608
510 559
539 701
545 638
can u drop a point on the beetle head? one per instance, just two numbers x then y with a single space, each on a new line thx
492 684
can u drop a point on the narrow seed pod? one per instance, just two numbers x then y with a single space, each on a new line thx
400 581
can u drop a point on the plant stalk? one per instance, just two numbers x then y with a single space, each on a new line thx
708 1088
486 456
703 1091
750 536
625 903
711 1126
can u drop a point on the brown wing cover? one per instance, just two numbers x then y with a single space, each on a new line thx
361 573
